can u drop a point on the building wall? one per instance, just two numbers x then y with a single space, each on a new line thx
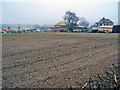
119 12
104 29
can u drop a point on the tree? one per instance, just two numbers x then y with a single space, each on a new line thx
83 22
71 19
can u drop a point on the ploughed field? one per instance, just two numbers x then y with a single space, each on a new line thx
54 60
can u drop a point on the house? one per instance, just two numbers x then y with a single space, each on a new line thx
59 26
105 25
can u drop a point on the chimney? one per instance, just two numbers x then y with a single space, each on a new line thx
103 19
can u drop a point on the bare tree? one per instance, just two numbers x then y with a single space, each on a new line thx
71 19
83 22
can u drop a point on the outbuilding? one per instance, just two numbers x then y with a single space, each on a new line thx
116 29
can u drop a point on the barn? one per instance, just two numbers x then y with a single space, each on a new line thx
59 26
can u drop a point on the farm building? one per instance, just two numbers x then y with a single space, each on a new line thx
79 29
93 28
59 26
116 29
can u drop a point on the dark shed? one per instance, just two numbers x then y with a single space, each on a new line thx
116 29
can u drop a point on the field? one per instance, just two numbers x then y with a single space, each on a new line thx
54 60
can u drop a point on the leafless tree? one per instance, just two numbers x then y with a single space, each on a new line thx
83 22
71 19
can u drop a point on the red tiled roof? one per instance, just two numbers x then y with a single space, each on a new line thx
56 28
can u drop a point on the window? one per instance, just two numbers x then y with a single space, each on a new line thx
107 24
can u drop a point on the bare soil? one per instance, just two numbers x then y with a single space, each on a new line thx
55 60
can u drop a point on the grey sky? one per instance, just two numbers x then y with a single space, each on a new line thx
52 11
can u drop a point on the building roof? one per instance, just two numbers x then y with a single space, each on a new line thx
105 20
82 27
94 26
62 23
117 25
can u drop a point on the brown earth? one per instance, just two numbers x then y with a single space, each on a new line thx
54 60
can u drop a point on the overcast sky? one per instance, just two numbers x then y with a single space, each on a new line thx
52 11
